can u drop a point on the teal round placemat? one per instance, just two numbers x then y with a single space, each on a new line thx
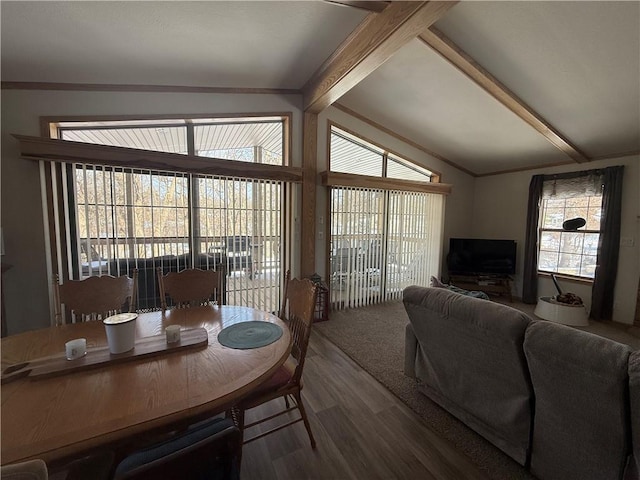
247 335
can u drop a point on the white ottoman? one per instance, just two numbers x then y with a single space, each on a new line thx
573 315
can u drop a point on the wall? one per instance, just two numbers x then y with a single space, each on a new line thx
26 284
458 212
500 211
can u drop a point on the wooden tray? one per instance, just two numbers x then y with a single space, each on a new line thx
98 357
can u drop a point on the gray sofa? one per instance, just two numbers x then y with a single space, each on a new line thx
557 400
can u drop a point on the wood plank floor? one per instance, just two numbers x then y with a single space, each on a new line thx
361 429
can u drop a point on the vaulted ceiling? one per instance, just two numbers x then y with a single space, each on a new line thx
486 86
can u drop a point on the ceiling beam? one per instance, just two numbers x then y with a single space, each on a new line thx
467 65
371 44
370 6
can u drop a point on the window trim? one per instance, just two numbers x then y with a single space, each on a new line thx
337 179
54 150
566 277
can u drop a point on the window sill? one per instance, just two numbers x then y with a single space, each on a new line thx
566 278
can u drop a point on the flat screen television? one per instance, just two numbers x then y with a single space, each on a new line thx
475 256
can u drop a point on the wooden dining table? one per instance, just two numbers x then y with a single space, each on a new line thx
61 417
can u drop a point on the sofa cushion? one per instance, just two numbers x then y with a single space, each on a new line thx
469 359
581 424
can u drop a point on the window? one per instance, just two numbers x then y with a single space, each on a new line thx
253 141
572 253
119 218
351 154
382 239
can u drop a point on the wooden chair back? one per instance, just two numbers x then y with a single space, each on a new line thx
192 287
95 297
298 312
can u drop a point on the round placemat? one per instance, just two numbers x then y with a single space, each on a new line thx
247 335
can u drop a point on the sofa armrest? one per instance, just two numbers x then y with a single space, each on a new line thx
410 351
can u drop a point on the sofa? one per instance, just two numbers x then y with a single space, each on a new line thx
563 403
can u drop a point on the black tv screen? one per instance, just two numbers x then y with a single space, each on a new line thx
474 256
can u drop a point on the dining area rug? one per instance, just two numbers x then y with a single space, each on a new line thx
373 336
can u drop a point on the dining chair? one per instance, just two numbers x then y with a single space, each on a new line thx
192 286
95 297
207 451
29 470
298 311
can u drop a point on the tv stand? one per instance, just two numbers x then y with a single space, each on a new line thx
489 284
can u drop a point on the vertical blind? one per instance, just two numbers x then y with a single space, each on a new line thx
357 246
381 242
122 219
415 234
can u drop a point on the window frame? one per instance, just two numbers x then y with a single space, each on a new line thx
391 190
49 125
582 231
377 148
193 238
54 153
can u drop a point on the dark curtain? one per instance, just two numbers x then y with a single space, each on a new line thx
608 245
530 274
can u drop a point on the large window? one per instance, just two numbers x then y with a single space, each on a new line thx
116 219
382 239
570 252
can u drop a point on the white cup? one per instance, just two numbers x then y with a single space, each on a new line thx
76 348
121 332
173 333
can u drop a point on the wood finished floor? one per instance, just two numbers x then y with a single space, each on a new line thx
361 429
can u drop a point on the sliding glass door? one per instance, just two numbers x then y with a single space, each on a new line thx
381 242
386 225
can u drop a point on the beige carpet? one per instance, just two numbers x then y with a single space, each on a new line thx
374 338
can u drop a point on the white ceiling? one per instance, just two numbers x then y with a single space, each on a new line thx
427 99
260 44
577 64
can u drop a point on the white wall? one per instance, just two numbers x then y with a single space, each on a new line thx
26 284
458 212
500 211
